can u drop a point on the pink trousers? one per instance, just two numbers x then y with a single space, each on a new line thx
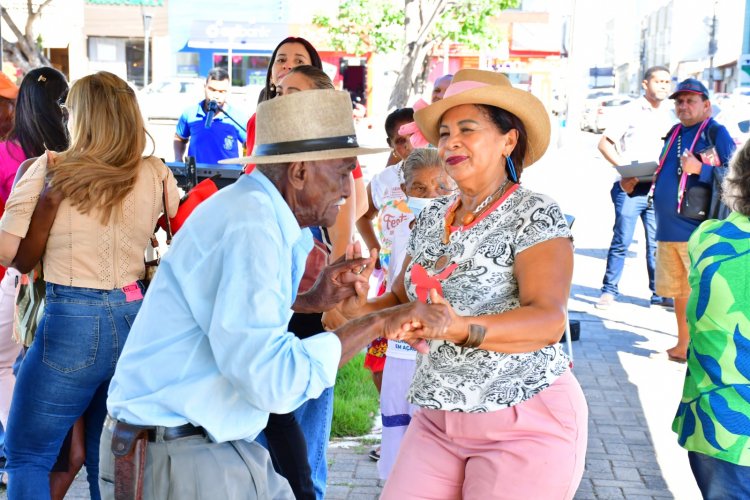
535 449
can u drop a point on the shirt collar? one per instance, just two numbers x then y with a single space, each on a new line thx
219 116
284 216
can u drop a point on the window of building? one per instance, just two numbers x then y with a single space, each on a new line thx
246 69
121 56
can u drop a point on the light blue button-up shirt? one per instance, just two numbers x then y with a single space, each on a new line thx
210 344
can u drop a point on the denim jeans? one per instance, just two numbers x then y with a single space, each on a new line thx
627 211
314 416
718 479
65 374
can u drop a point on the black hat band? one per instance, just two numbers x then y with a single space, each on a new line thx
306 145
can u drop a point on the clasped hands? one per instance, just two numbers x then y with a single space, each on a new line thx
411 322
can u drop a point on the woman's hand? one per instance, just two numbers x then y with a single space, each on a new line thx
333 319
415 321
458 328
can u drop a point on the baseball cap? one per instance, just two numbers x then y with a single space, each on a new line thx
690 85
8 89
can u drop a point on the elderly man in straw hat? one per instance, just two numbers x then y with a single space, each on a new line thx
209 356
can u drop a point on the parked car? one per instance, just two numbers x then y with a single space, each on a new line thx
593 99
596 118
164 101
167 99
736 118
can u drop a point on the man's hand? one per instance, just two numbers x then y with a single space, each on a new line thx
351 307
690 163
342 279
628 184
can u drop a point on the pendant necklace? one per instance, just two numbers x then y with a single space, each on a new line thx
452 238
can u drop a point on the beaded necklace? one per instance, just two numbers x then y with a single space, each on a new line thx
452 238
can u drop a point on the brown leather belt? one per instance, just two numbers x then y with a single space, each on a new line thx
129 447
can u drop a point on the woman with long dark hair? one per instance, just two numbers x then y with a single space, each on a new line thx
93 265
38 122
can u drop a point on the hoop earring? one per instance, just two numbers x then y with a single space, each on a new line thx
511 169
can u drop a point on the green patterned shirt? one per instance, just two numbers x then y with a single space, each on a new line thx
714 414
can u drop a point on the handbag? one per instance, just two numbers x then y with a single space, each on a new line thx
696 202
30 298
151 257
29 306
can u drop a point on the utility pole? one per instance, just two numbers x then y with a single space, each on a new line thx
712 50
743 63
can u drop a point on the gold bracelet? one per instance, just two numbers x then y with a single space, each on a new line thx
476 336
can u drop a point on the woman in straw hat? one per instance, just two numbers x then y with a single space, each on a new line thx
501 415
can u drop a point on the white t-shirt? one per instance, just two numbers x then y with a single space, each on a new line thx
401 234
480 281
393 212
638 130
393 233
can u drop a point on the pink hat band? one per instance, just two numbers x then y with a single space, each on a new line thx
463 86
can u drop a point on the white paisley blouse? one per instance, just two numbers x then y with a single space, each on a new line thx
478 279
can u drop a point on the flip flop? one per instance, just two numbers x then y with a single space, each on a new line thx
676 359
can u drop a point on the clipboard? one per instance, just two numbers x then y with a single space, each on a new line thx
644 171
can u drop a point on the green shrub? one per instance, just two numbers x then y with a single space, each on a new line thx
355 400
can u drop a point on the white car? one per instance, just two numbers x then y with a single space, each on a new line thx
736 118
166 100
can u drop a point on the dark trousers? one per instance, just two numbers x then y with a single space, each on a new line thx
284 437
718 479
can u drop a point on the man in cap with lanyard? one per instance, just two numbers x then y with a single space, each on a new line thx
209 355
696 150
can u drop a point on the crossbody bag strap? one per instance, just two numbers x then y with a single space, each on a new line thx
682 186
165 204
663 158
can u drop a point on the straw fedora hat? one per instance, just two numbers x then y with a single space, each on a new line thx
474 86
305 126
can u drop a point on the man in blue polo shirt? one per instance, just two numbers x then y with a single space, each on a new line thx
211 133
696 149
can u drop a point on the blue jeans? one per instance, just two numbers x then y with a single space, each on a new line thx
65 374
627 212
314 416
718 479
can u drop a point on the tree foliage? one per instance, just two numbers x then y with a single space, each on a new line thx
414 27
25 52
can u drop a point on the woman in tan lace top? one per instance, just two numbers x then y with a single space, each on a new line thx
93 264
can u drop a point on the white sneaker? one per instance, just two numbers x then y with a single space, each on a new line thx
605 300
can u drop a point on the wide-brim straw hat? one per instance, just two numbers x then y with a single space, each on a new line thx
474 86
305 126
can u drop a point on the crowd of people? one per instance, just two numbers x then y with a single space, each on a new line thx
215 378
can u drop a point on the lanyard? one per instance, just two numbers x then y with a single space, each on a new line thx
663 158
